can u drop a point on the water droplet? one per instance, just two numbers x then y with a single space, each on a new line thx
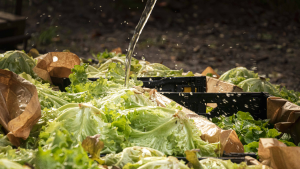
55 59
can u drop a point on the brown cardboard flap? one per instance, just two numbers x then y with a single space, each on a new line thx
56 64
285 115
20 108
277 155
214 85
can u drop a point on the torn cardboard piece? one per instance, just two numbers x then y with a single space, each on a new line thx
214 85
117 50
20 107
277 155
285 115
56 64
228 139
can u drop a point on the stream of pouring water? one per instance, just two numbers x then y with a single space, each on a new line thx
137 32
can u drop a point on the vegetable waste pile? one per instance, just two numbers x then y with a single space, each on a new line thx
102 124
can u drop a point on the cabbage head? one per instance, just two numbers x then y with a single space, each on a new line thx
17 62
237 75
258 85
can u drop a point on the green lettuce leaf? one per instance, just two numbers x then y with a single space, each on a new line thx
157 163
131 155
17 62
61 150
172 135
251 147
84 120
237 75
258 85
20 155
8 164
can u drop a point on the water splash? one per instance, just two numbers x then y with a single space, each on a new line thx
137 32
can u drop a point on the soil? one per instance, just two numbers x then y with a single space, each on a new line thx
187 34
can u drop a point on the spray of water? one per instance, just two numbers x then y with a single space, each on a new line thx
138 30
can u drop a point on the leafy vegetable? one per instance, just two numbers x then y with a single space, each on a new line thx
157 163
8 164
169 133
211 163
249 82
49 98
289 95
93 146
21 156
158 70
105 55
59 152
18 62
131 155
258 85
237 75
248 130
86 120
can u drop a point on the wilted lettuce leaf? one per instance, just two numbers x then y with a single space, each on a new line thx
93 146
211 163
191 156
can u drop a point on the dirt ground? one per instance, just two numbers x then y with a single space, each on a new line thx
187 34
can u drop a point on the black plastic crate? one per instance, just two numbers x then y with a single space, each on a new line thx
237 160
175 84
227 103
161 84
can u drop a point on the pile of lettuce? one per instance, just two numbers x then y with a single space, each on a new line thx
139 68
250 130
120 117
100 123
250 82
